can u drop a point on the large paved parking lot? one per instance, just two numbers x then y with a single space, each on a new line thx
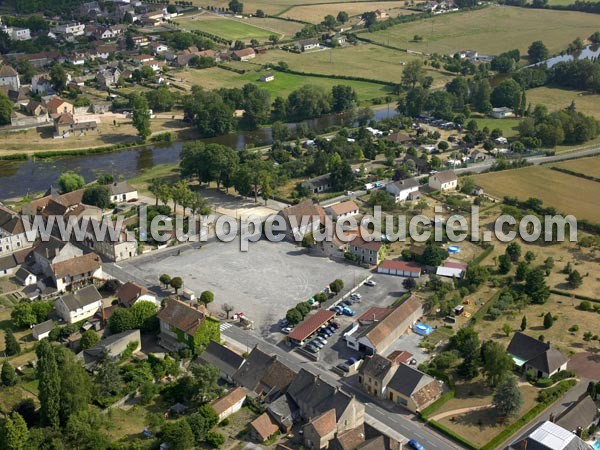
263 283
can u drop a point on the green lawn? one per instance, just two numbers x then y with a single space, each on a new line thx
556 98
283 84
226 28
491 30
508 126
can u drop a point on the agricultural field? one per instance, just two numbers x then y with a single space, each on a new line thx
491 30
353 60
271 7
312 14
283 84
587 166
231 29
278 26
568 194
556 99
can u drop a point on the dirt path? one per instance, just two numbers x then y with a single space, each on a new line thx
460 411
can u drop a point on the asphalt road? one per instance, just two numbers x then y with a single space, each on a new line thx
406 424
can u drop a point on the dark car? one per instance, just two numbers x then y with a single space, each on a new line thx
311 348
334 325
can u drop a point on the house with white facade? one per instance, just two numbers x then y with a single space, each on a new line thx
131 293
403 190
9 77
42 330
443 181
79 305
14 235
343 209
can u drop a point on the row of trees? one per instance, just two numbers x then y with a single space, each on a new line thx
180 194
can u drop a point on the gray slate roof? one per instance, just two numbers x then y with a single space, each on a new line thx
224 359
407 380
256 365
44 327
81 298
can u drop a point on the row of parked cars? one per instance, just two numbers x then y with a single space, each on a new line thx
320 339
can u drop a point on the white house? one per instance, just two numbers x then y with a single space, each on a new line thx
403 189
9 77
443 181
25 277
42 330
76 271
502 113
230 403
80 305
15 33
70 29
13 234
343 209
41 84
122 192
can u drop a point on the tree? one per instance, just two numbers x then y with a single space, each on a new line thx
513 250
293 316
342 17
236 7
504 264
14 434
507 93
70 181
537 52
343 98
97 196
143 315
260 13
6 109
574 279
329 21
507 398
8 375
176 283
206 383
280 131
522 269
140 115
11 345
548 320
207 297
413 73
337 285
215 439
465 341
587 336
227 307
58 78
22 315
49 384
524 323
88 339
497 364
165 280
409 284
468 368
105 179
535 286
75 385
507 329
178 434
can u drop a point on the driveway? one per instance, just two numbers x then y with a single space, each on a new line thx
586 365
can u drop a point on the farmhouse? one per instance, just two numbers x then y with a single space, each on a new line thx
502 113
531 354
245 54
343 209
400 268
307 44
404 189
443 181
378 337
80 305
230 403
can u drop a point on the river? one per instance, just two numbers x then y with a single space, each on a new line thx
19 178
589 52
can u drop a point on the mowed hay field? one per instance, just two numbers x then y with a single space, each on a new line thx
587 166
362 60
315 14
271 7
567 193
283 85
555 99
226 28
491 30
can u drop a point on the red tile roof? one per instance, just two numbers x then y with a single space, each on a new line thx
344 208
369 245
222 404
264 426
311 324
400 265
399 356
325 423
376 313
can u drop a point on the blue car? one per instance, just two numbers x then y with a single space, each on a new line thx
347 311
413 443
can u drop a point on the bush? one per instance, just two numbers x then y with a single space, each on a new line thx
585 305
574 328
562 375
544 382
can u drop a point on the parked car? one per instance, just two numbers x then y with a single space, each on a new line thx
317 343
343 367
370 283
283 323
348 312
334 325
321 339
331 330
356 295
339 310
286 330
311 348
325 333
347 302
356 300
413 443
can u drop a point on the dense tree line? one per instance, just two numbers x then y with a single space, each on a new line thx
581 74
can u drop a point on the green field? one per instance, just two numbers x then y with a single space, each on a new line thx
362 60
491 30
283 84
508 126
272 7
555 99
226 28
567 193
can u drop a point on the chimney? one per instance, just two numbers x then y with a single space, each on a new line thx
47 253
373 317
